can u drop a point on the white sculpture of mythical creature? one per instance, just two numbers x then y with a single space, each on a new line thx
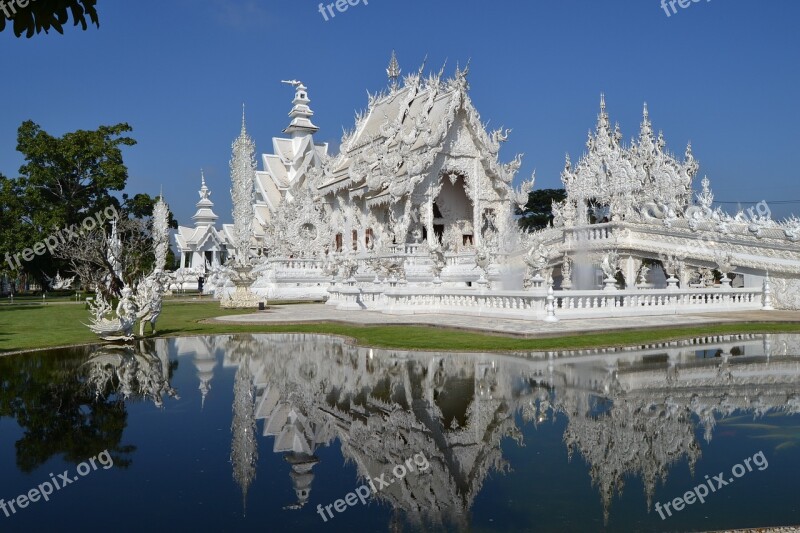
643 273
149 301
330 268
220 276
522 194
391 267
791 228
724 261
705 276
438 259
537 260
348 268
119 328
452 238
482 261
610 264
58 283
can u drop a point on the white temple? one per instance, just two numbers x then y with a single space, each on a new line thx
415 214
203 246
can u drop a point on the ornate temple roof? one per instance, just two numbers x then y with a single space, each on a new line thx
397 139
291 158
203 232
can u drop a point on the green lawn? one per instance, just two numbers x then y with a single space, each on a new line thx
39 326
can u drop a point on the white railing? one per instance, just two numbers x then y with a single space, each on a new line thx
531 304
579 304
296 264
594 232
506 304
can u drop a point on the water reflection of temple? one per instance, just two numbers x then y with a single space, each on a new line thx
630 412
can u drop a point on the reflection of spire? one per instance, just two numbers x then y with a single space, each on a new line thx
301 475
625 418
244 446
204 362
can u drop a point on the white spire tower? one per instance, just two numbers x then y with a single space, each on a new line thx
205 215
243 174
161 233
301 114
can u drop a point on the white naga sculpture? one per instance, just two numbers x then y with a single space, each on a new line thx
58 283
148 299
146 303
118 328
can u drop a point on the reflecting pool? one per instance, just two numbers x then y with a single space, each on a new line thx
310 433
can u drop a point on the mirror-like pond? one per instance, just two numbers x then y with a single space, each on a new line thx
310 433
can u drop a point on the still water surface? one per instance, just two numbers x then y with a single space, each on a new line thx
264 432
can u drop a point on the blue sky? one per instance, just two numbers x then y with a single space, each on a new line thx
723 74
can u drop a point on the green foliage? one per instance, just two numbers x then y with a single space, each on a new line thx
42 15
538 211
141 206
63 181
58 414
71 177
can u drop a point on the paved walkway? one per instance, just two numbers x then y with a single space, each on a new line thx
316 312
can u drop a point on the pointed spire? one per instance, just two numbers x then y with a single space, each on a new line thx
204 192
646 131
300 114
244 122
422 67
393 71
603 131
205 215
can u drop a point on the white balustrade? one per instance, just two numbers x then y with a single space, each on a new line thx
531 305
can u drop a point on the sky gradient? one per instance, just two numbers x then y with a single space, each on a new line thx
723 74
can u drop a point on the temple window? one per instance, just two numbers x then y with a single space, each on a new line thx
355 240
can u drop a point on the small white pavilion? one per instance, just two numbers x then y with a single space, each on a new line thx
202 247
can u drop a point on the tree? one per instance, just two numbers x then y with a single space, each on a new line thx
100 263
71 177
538 212
64 182
39 15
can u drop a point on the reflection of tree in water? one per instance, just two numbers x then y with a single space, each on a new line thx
47 395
